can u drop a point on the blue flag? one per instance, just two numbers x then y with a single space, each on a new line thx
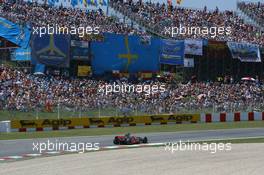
74 2
125 53
95 3
51 2
19 35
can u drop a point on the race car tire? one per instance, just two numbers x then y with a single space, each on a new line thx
145 140
116 142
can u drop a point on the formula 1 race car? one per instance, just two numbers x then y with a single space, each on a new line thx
129 140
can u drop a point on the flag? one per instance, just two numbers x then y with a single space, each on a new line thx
125 54
169 6
74 2
102 2
94 2
85 3
51 2
14 33
179 1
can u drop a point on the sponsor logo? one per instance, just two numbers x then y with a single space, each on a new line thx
46 122
96 121
177 118
28 123
180 118
120 120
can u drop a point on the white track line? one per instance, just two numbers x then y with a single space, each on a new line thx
32 155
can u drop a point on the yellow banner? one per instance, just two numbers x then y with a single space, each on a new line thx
146 75
72 122
118 120
84 71
177 118
45 123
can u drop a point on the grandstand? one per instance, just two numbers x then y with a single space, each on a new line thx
149 15
253 10
64 71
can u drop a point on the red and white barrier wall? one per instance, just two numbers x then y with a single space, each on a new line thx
232 117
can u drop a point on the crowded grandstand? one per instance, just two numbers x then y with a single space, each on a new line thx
131 87
26 92
211 80
254 10
158 16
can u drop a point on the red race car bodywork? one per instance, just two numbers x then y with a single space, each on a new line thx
123 140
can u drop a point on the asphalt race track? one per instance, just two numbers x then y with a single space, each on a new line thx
25 146
243 159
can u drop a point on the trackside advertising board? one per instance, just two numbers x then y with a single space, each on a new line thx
103 121
46 123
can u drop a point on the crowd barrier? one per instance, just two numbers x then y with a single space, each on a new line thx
73 123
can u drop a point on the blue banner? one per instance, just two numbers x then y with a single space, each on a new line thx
79 50
39 68
51 50
125 53
245 52
21 54
19 35
193 47
172 52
